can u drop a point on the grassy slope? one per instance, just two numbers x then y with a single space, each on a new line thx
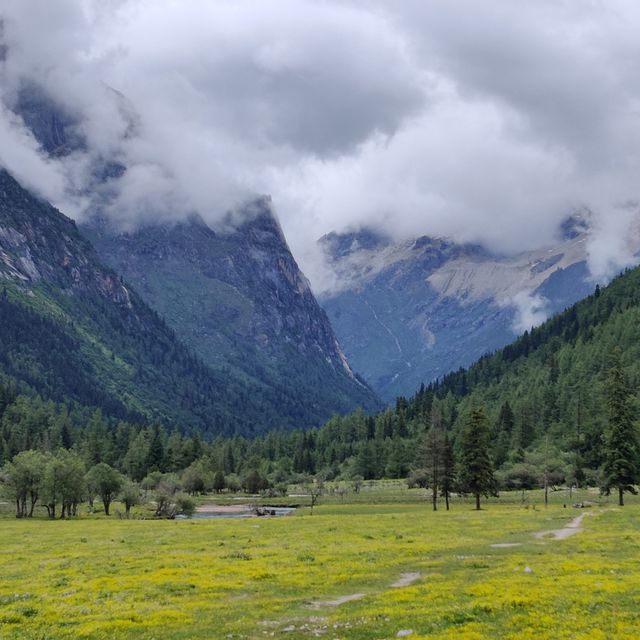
113 368
207 579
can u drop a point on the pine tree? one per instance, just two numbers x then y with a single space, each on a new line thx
433 455
96 442
135 460
366 461
448 470
228 459
502 434
621 441
476 467
155 453
196 447
506 419
398 460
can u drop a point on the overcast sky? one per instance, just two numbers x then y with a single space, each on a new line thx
483 121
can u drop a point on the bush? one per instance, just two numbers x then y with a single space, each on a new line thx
520 476
419 478
185 505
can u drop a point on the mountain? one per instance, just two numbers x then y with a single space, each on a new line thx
553 378
240 301
237 299
410 312
544 396
72 330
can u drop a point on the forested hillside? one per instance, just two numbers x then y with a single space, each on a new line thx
544 396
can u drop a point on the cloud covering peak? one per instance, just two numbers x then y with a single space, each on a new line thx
485 123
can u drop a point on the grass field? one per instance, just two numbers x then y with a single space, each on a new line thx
258 578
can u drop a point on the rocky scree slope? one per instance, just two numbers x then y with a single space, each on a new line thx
410 312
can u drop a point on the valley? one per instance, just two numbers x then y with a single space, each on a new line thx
374 567
129 362
319 319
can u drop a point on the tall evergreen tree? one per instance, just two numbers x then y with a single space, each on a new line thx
621 440
506 419
433 456
155 453
95 445
475 467
135 460
502 434
366 461
448 470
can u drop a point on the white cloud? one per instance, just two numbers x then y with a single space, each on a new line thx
49 179
531 310
486 122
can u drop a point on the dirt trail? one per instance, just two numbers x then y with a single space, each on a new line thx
575 526
338 601
570 529
406 580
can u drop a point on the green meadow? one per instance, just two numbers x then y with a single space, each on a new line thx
366 569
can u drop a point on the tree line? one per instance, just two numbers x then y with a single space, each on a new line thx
94 462
557 407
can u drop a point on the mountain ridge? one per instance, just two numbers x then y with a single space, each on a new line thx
240 300
409 312
129 360
235 295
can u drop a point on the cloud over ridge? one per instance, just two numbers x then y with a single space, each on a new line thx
485 123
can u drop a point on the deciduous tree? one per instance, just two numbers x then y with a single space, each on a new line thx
106 482
23 477
130 495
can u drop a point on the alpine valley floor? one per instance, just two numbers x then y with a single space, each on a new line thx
367 569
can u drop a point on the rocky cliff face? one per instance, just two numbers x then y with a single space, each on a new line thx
411 312
237 299
240 301
38 244
73 331
258 291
